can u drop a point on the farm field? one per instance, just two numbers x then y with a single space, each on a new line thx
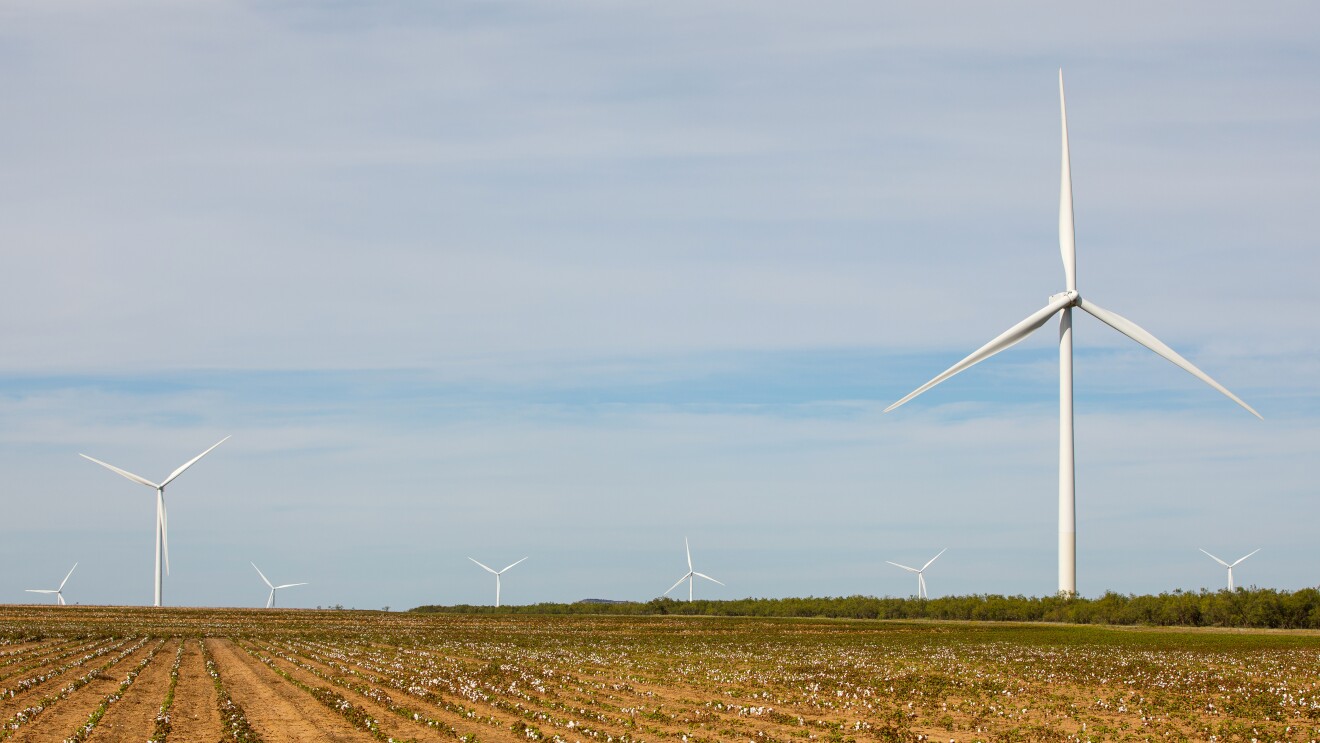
111 674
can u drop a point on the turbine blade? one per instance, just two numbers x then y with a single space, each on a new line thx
289 585
1004 340
270 600
75 567
1216 559
1140 335
1067 234
125 473
688 549
707 577
676 585
264 579
1240 559
191 462
40 590
507 569
488 570
60 598
905 567
933 559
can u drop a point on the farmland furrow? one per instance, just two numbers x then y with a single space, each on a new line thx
465 705
681 708
35 647
462 721
425 674
499 683
395 721
133 716
23 690
423 682
195 715
99 712
25 663
61 710
277 709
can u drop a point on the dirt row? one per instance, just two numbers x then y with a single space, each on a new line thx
277 710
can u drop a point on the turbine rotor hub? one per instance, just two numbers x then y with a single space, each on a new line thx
1072 296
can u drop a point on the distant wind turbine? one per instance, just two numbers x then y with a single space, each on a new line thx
59 597
270 602
1230 567
691 574
1063 304
497 574
921 578
162 521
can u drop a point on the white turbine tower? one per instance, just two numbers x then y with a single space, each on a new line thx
1064 303
691 574
59 597
270 602
162 521
497 574
921 577
1230 567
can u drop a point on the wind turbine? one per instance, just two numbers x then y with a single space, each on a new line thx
1230 567
497 574
162 521
270 602
691 574
1064 303
59 597
921 578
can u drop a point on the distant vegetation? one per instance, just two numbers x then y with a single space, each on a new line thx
1259 607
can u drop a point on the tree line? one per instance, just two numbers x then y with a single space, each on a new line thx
1255 607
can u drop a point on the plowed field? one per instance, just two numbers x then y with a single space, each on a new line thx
113 674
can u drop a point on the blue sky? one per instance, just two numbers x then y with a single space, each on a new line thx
577 281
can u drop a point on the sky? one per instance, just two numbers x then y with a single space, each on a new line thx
575 281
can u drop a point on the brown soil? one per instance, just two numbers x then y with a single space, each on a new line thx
278 710
195 716
67 715
133 717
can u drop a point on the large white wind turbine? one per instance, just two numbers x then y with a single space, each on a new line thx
162 521
1230 567
497 574
691 574
270 602
59 597
1064 303
921 577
